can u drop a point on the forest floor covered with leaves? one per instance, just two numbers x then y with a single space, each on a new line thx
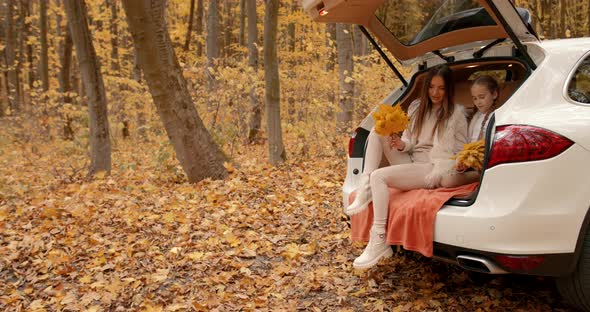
263 239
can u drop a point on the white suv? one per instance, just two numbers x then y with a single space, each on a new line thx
530 213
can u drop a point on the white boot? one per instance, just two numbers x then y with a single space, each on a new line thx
363 197
376 250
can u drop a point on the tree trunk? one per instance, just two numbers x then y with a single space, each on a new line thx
100 144
30 49
241 39
255 109
136 68
199 28
276 149
11 57
189 30
4 101
330 45
141 119
588 33
345 70
291 28
227 49
358 41
66 61
114 37
195 149
22 37
44 56
212 48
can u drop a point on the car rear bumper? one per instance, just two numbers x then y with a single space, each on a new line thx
555 265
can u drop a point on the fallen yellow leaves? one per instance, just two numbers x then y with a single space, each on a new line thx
265 239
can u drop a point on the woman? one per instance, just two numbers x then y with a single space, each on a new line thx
419 159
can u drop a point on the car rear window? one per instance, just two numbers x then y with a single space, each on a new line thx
579 86
412 23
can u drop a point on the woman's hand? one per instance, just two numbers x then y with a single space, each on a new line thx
396 142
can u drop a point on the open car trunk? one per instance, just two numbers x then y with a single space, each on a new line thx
457 23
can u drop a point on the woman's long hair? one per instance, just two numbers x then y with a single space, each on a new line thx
447 107
492 85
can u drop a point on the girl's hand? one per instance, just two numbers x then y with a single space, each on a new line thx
396 142
460 167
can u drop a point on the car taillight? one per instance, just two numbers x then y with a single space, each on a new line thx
520 263
351 142
517 143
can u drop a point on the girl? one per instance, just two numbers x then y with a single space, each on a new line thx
484 92
437 131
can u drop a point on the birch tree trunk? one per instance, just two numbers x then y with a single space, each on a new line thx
100 144
255 109
345 70
196 151
276 149
44 56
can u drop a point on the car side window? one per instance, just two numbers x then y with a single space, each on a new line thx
579 86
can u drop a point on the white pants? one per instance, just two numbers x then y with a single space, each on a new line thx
402 173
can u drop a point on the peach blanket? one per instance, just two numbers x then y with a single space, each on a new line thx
411 217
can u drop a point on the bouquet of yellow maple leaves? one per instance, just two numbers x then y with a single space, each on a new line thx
471 156
390 119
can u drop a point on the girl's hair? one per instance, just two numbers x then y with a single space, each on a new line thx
425 106
492 85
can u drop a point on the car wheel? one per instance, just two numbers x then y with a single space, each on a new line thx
576 288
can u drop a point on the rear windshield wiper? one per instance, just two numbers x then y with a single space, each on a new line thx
387 60
448 59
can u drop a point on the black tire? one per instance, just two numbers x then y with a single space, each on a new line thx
575 288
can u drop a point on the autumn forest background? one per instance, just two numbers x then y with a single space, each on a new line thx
188 155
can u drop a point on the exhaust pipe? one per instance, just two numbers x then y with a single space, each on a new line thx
479 264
